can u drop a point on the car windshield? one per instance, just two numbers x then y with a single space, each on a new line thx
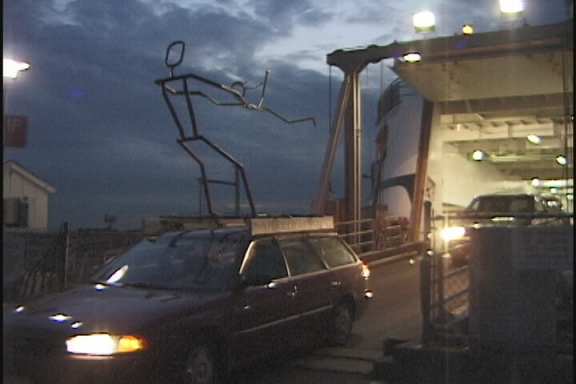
196 262
504 204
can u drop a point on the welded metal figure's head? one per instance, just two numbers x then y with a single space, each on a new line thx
174 55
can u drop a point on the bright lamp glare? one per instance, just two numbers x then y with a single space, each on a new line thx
452 233
11 68
478 155
534 139
424 21
561 159
535 182
412 57
468 29
511 6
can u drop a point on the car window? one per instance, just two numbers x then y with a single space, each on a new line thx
203 263
266 260
300 256
474 205
332 251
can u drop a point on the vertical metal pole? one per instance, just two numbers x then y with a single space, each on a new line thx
237 191
421 167
66 253
353 155
319 205
425 286
200 197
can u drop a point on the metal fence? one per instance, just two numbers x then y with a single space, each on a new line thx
451 287
36 264
378 238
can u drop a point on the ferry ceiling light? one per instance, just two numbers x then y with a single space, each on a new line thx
561 159
511 7
479 155
424 21
412 57
535 182
534 139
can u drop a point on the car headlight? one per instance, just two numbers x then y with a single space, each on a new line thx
103 344
452 233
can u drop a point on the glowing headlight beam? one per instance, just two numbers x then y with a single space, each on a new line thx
452 233
103 344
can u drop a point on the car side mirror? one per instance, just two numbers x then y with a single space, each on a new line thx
255 280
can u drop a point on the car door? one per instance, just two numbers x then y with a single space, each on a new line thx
311 280
263 315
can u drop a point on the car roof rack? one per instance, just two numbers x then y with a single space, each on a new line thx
263 224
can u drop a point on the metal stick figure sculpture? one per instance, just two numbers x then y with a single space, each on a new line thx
238 91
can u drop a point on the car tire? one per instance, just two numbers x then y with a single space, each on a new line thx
200 366
340 327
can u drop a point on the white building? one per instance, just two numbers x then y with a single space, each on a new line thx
25 198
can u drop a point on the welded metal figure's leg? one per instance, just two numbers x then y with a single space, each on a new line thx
204 177
238 166
319 206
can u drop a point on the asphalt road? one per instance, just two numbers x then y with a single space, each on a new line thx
393 313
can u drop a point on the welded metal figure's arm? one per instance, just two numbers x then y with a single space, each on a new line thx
311 119
237 90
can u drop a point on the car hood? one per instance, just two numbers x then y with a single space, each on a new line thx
112 309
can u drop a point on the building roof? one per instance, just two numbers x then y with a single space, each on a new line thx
13 166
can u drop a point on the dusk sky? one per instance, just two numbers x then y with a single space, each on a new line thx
101 134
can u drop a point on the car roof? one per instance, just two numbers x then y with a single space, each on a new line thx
202 233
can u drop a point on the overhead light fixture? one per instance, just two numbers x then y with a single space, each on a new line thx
412 57
554 191
569 196
511 7
535 182
11 68
534 139
479 155
424 21
468 29
561 159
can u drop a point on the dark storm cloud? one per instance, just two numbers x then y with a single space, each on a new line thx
285 14
100 132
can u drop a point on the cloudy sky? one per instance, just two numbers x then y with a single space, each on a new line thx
100 132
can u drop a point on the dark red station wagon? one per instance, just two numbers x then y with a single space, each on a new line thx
191 306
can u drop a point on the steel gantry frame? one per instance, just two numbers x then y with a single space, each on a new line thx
348 117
